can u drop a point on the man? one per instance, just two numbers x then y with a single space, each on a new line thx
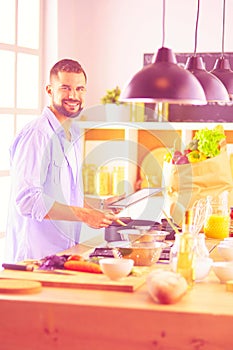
46 204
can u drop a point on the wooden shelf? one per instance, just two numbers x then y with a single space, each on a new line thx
137 139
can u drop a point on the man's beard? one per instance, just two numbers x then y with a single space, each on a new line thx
62 110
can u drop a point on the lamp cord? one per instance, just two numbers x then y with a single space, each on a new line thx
163 37
223 27
197 20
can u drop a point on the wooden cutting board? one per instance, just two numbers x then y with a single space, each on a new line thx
21 286
78 280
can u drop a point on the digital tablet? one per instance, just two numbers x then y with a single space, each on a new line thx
135 197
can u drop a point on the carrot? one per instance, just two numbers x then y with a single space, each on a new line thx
83 266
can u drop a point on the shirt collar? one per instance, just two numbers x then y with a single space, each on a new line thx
58 129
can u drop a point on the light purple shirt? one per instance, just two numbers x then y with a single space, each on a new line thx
45 168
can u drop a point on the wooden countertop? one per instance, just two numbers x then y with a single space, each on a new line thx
61 318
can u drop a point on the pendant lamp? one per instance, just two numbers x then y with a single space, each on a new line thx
222 67
164 81
213 87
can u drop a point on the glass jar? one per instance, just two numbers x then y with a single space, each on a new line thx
217 220
103 181
89 172
118 177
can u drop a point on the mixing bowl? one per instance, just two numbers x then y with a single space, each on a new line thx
142 253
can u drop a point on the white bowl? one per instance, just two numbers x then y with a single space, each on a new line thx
202 267
228 240
226 251
116 268
223 270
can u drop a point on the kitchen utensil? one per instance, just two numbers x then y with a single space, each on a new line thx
121 222
200 209
15 286
134 198
171 223
76 280
30 268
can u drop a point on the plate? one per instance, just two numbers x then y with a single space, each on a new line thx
152 167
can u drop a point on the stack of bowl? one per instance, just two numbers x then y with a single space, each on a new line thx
225 249
224 269
144 248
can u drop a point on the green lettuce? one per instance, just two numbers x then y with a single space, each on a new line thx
209 141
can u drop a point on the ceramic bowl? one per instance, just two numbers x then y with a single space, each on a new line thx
223 270
116 269
226 251
142 253
202 267
228 240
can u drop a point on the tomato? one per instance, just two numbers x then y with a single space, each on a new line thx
75 257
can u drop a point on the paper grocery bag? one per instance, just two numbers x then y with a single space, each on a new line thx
186 183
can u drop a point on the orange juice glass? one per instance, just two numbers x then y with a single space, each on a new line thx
217 221
217 226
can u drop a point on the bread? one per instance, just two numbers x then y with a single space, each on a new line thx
165 286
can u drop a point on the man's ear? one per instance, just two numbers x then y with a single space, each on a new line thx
49 90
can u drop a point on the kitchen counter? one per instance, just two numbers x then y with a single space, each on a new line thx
83 319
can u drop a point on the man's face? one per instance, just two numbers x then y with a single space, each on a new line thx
67 92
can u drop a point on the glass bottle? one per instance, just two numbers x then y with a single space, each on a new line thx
185 258
217 221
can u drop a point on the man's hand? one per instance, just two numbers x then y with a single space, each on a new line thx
96 218
111 200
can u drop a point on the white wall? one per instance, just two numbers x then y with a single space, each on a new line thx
109 37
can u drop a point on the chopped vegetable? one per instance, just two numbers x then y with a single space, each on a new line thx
83 266
52 262
75 257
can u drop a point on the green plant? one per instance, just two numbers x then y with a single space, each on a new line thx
112 96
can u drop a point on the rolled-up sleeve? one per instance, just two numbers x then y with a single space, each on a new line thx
30 168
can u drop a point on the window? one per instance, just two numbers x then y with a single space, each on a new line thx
20 62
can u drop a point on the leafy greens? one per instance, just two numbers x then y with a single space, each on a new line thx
209 141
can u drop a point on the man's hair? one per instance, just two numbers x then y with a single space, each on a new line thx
67 65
